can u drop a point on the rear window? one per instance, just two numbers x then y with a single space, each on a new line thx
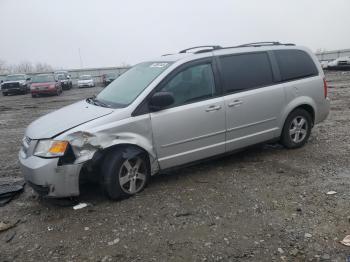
295 64
246 71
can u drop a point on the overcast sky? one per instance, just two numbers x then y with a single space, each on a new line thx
112 32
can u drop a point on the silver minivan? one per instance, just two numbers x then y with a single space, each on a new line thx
174 110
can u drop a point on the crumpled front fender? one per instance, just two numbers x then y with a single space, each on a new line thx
85 145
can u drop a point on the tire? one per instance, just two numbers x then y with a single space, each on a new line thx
121 178
297 129
34 96
4 94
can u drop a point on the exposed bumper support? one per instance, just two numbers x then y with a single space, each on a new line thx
56 181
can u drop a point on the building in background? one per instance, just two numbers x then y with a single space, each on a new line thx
332 55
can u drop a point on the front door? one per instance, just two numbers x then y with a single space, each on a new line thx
193 127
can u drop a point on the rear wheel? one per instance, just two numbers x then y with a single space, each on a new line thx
4 93
297 129
124 175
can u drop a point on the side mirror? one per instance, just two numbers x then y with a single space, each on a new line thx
28 79
161 100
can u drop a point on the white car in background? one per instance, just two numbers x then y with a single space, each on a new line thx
340 62
86 81
324 64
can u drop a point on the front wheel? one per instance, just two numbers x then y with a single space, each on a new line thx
296 129
124 174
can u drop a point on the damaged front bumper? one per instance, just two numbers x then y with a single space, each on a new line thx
48 178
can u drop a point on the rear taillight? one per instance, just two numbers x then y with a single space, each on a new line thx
325 88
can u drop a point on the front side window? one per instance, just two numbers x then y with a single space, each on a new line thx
295 64
192 84
246 71
127 87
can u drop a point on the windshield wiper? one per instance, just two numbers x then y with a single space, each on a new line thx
93 100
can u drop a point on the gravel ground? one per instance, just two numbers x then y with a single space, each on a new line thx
266 203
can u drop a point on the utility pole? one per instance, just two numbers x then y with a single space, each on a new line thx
81 60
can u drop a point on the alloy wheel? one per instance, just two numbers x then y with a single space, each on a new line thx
298 129
132 175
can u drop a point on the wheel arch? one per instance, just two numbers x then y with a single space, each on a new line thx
308 109
129 150
305 103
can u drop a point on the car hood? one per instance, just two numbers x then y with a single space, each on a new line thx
66 118
85 81
15 81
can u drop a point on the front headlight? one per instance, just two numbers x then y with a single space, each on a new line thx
51 148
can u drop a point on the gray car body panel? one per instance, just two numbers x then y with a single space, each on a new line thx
171 137
65 118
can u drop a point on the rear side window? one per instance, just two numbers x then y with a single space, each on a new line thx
295 64
245 71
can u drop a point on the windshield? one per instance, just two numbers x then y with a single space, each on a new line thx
86 77
15 77
122 91
61 77
43 79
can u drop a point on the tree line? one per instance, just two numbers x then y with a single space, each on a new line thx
24 67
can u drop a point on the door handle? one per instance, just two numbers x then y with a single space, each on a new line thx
235 103
212 108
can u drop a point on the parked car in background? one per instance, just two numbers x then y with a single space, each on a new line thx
86 81
45 84
2 78
108 78
15 84
174 110
340 63
66 83
324 64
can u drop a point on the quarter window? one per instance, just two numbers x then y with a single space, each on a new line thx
192 84
295 64
246 71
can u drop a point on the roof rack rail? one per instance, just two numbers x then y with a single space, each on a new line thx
268 43
213 47
209 48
